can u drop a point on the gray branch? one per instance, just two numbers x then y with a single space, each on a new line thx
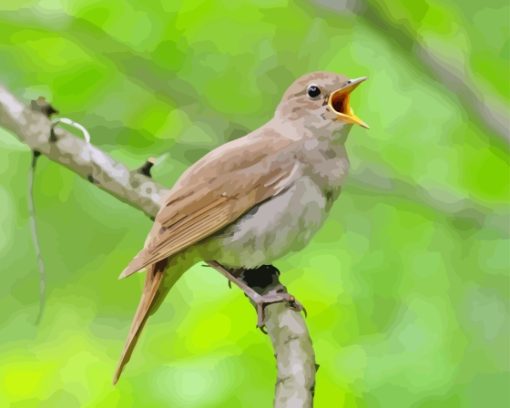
287 329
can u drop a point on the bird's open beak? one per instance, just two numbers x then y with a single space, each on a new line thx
339 102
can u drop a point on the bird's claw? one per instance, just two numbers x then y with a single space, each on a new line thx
261 301
297 306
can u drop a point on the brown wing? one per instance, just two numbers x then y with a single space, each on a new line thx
214 193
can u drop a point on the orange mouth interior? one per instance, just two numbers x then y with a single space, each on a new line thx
339 103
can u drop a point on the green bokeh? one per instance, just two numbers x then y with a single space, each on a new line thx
407 283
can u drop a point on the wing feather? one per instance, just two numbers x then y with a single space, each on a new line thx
203 202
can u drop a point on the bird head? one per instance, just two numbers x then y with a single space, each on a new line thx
321 100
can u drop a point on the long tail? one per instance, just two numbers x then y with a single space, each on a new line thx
152 296
153 280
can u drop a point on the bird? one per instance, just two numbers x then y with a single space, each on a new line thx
251 200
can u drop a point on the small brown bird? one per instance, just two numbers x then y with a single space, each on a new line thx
254 199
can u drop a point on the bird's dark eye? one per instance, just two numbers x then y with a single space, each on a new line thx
313 91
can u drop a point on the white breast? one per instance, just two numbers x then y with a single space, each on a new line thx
282 224
287 221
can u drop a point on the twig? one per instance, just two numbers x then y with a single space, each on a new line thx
146 168
39 105
35 238
76 125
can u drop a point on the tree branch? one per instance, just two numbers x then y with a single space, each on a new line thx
286 328
34 129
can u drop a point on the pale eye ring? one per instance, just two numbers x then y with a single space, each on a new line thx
313 91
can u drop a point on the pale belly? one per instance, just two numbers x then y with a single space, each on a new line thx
280 225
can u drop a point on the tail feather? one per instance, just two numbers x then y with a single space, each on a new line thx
150 296
161 277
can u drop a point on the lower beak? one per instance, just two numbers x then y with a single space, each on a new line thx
339 103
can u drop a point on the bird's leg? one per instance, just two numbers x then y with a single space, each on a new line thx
265 279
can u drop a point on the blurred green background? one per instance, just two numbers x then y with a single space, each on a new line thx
406 285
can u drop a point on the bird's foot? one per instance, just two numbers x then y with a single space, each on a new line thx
264 277
280 296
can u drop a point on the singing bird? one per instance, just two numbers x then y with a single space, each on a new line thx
254 199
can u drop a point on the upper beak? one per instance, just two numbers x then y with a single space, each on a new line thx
338 102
